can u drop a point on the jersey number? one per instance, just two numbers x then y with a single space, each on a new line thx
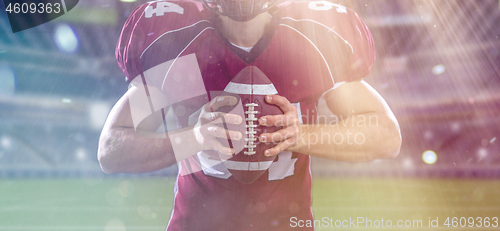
325 5
162 8
282 168
278 170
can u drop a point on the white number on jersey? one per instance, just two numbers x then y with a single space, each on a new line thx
162 8
278 170
283 167
326 5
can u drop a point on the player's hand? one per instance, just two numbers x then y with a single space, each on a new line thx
287 136
210 125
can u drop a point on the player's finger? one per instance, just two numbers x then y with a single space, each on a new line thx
232 119
218 146
282 103
216 117
221 101
211 116
279 120
223 133
279 135
280 147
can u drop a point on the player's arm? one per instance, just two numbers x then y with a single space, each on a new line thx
366 128
123 148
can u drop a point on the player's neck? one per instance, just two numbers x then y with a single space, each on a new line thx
245 34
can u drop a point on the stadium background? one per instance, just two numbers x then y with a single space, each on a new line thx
438 67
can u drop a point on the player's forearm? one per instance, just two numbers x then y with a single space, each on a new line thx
123 149
355 139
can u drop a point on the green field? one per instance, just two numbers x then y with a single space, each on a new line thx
145 203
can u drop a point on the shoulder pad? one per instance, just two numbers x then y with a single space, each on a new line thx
147 23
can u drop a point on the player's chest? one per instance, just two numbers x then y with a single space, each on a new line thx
290 61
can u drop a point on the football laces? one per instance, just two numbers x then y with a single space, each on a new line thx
250 129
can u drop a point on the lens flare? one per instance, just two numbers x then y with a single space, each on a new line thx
429 157
439 69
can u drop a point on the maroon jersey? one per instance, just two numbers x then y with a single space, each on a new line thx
177 48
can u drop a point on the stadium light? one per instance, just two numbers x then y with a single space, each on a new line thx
65 38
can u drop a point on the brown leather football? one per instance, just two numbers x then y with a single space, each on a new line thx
250 86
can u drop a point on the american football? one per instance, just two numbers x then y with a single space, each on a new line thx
250 85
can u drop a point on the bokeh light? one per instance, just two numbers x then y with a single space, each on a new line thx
65 38
429 157
438 69
115 225
81 154
6 142
482 153
7 80
408 163
126 188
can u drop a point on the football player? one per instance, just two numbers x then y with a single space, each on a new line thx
178 54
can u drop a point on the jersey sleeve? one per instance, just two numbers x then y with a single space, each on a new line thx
362 57
146 24
127 49
338 33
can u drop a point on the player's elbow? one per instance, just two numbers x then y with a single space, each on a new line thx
105 157
104 162
391 143
393 147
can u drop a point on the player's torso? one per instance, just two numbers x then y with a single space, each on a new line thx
290 56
